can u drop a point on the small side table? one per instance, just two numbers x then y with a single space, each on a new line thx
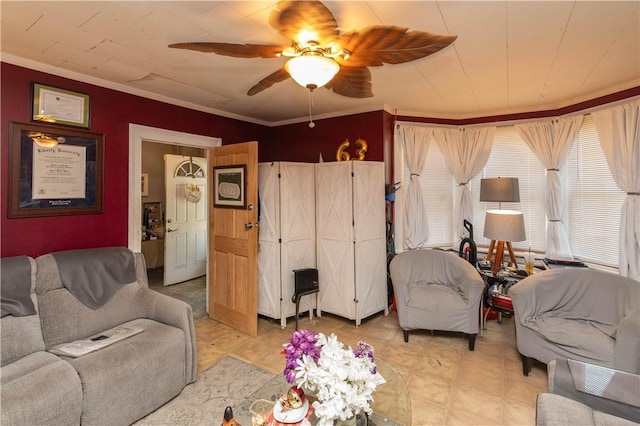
503 280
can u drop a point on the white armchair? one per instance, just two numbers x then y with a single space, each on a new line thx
586 315
437 290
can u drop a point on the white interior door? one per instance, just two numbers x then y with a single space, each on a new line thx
185 254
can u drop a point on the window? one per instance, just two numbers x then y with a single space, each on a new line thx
189 168
437 186
594 200
511 157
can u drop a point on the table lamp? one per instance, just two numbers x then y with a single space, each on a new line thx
499 190
503 226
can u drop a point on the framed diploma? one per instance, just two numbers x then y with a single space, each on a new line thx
54 171
60 106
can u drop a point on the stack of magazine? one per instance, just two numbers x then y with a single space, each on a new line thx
93 343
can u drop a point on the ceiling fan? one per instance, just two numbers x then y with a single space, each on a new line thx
322 56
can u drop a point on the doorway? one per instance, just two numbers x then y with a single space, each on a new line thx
174 237
139 136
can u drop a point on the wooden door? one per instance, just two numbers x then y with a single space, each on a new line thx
185 254
233 237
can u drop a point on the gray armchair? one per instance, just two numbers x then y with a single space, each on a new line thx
586 315
437 290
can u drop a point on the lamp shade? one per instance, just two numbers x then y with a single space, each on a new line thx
312 71
504 225
500 190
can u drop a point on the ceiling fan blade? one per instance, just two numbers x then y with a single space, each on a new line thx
352 82
379 45
268 81
293 18
231 49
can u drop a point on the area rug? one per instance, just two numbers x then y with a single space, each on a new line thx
229 382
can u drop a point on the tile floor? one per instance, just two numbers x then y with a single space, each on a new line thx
448 384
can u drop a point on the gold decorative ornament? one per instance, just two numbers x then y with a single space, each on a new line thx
341 154
362 148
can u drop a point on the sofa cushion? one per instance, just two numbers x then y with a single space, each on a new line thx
65 318
434 297
94 276
137 374
20 336
576 337
40 389
555 410
15 287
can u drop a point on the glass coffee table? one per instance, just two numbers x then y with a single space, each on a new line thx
391 405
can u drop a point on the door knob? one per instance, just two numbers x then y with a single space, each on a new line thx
172 229
248 225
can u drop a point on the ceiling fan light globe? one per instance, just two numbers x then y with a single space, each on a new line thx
312 70
44 140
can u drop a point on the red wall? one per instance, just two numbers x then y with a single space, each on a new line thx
298 142
111 113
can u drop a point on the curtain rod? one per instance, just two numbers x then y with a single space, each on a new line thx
508 123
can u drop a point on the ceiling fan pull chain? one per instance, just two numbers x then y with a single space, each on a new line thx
311 123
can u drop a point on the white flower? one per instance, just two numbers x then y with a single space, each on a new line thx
343 382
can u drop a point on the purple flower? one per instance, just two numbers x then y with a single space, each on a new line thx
364 349
302 342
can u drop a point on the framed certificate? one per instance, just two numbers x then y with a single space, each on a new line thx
60 106
54 171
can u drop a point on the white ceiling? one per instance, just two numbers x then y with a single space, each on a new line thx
510 56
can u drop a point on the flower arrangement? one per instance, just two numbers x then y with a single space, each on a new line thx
343 379
192 193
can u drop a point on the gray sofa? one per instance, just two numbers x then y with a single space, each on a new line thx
115 385
586 315
554 410
436 290
602 389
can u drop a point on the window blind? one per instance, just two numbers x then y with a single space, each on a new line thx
594 200
437 184
511 157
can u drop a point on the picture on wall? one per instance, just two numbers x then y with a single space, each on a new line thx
54 171
145 185
229 186
60 106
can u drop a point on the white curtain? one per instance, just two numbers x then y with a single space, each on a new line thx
550 142
415 144
465 151
619 132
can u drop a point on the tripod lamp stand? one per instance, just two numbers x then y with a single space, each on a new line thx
503 226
